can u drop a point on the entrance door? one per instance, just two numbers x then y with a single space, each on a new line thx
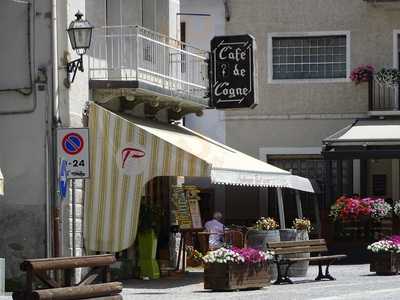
313 168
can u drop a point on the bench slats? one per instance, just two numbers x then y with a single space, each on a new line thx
285 244
59 263
304 249
316 258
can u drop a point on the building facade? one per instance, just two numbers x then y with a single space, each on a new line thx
36 98
306 51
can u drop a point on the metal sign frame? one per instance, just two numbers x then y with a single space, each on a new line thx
75 168
233 72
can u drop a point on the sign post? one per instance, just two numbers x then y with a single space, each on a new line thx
233 80
73 153
73 146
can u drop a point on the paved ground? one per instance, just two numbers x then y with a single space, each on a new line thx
354 282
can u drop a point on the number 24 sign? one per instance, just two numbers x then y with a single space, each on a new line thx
73 146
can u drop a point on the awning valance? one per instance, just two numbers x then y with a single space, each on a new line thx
370 138
126 152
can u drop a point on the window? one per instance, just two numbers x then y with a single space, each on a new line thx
309 57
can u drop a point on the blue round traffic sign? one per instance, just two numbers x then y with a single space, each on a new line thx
72 143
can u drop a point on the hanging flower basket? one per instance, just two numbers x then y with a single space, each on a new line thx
362 74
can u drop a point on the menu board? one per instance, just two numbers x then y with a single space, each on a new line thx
187 210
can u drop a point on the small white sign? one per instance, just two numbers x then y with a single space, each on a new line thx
131 159
73 146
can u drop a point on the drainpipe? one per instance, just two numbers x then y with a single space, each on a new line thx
53 222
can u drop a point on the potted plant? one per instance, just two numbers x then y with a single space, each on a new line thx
362 73
265 230
232 269
385 258
149 221
388 77
194 257
303 228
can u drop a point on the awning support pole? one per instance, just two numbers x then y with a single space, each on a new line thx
298 204
281 208
317 218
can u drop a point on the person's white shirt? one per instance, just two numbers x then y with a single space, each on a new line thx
216 229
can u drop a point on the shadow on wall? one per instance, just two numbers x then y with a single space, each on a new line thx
23 232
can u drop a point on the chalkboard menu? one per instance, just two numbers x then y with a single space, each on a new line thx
186 207
233 77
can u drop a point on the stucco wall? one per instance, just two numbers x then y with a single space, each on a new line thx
371 31
23 136
199 32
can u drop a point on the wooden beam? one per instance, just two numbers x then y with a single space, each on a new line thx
298 204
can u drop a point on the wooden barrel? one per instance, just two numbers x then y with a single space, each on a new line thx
258 239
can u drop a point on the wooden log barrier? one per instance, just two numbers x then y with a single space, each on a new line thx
79 292
65 289
60 263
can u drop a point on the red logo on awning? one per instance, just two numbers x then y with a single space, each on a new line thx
131 153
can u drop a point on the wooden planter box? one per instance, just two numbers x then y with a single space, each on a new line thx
385 263
224 277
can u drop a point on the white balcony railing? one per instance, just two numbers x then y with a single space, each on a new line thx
136 53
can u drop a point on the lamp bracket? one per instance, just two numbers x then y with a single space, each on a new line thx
73 67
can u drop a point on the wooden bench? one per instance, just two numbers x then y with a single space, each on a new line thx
65 289
293 247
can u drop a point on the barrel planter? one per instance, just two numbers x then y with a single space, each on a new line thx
300 268
287 235
230 276
385 263
258 239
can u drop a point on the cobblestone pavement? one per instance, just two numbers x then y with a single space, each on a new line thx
354 282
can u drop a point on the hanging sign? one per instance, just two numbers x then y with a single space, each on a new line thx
73 146
233 81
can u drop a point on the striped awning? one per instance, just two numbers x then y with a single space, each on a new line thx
126 152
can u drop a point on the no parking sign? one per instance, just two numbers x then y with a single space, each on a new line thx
73 146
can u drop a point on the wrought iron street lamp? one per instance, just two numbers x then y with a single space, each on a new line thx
80 36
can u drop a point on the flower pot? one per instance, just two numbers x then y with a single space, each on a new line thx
385 263
147 255
230 276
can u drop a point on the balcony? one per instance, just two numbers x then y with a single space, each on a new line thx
140 64
383 99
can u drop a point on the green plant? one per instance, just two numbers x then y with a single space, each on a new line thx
150 216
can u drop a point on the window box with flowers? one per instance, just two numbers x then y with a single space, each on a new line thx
385 256
235 269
